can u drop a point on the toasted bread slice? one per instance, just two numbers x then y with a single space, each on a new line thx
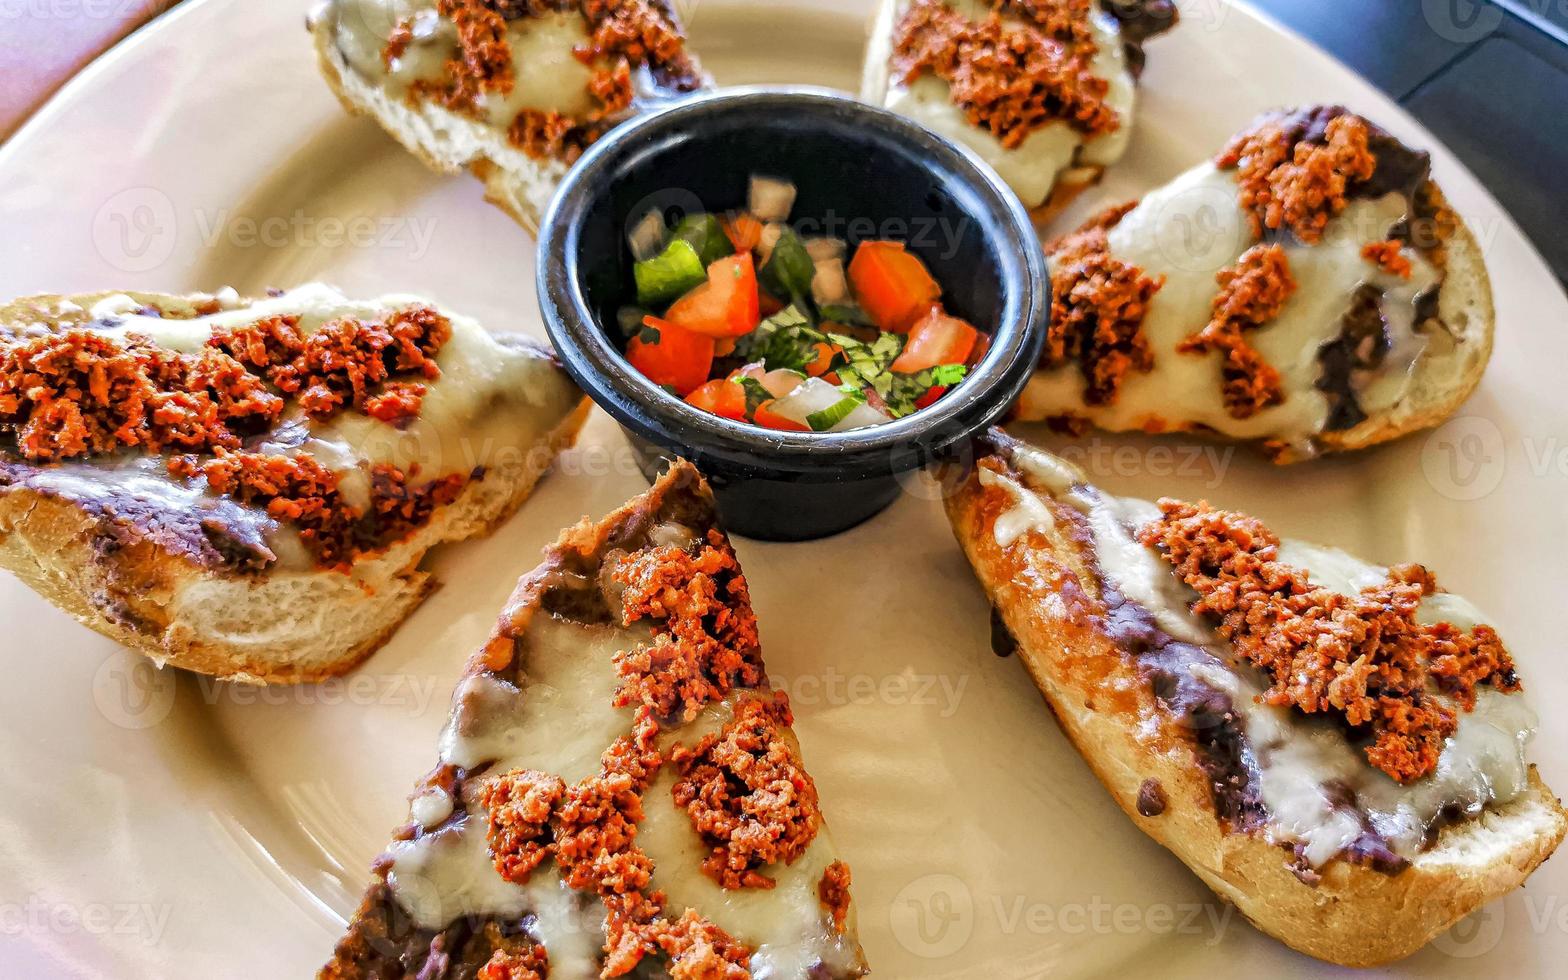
359 57
609 711
1361 349
1054 163
224 584
1168 723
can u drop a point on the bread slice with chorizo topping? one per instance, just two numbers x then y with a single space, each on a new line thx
1309 290
510 90
1336 749
619 791
1045 93
247 488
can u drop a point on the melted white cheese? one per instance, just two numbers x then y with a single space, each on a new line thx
1300 760
547 74
560 721
1189 230
1033 167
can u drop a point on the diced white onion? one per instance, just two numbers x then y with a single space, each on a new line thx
771 199
830 286
647 237
823 249
815 395
779 383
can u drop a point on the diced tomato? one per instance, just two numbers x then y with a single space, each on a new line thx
937 339
929 398
743 230
724 306
671 356
825 355
723 346
893 286
768 419
723 398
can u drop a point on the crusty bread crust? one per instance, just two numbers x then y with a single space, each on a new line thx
1440 385
447 142
319 623
1047 594
680 495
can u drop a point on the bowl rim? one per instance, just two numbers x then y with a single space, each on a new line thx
599 366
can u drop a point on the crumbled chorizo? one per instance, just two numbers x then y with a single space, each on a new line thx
1390 257
528 963
705 642
1252 291
79 393
748 795
263 346
1009 78
1361 657
1098 303
484 61
348 362
301 492
1298 185
833 893
700 950
519 805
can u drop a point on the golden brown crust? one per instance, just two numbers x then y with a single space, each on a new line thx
1354 916
123 584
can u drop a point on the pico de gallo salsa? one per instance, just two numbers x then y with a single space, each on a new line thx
745 319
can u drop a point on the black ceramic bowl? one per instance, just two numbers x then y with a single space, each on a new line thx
875 173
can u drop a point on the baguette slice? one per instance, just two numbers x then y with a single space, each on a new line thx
213 585
1436 324
1053 165
537 704
518 182
1034 550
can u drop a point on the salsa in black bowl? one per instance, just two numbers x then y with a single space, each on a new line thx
861 175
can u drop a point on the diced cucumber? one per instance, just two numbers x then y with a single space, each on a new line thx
706 234
670 275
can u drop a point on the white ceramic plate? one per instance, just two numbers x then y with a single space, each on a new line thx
156 825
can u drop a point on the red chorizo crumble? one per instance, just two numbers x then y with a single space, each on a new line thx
300 491
706 634
1300 185
833 893
530 963
263 346
1361 657
748 795
623 35
1388 256
519 804
349 362
1098 303
1010 79
1252 291
591 834
80 393
397 42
